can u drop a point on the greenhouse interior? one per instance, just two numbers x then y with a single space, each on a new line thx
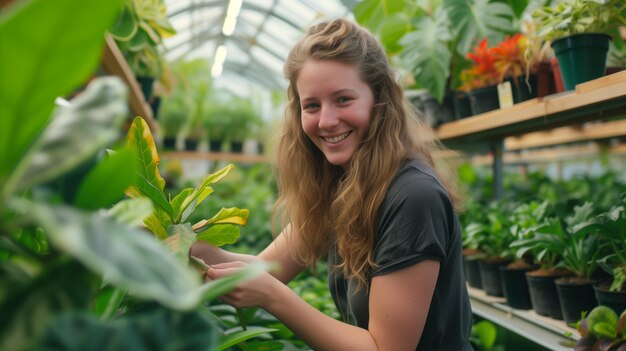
167 131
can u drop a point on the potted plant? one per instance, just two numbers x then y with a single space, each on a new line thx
611 227
514 284
602 329
580 252
139 32
580 31
481 78
512 65
175 114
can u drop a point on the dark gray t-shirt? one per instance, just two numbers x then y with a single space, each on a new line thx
416 222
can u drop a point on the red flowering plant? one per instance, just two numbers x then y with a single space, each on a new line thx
509 57
482 71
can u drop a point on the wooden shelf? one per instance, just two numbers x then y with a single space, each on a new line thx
215 156
114 63
545 331
565 135
599 99
560 154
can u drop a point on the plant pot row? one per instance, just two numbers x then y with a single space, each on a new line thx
190 144
556 295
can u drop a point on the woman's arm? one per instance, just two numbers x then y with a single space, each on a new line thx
277 252
399 303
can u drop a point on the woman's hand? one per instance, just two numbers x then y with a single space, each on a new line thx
258 292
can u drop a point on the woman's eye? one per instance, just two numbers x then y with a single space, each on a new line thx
310 106
343 99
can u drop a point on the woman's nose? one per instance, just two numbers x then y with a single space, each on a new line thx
328 117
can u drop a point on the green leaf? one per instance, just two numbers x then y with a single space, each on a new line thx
106 183
127 258
427 54
241 336
125 27
476 19
55 61
232 215
33 301
392 30
132 212
149 182
177 201
75 133
191 207
200 190
108 302
373 13
155 225
220 234
181 237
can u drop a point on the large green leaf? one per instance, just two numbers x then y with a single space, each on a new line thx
426 52
154 329
106 183
132 211
48 49
373 13
476 19
31 303
238 337
75 133
232 215
127 258
393 29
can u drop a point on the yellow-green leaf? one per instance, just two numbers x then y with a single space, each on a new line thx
141 140
154 225
232 215
220 234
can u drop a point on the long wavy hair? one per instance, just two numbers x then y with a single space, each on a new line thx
323 203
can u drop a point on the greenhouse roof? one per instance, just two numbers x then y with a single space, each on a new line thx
255 43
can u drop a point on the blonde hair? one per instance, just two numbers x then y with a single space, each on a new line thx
323 203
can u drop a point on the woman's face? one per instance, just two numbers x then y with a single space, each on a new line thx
336 108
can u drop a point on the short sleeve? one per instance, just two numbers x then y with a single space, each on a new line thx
414 223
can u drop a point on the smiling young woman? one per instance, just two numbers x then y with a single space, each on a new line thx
358 187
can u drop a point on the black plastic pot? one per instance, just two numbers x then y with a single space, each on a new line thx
236 147
616 300
515 287
191 144
543 296
575 297
472 272
462 106
437 113
490 277
215 145
169 143
484 99
146 84
523 90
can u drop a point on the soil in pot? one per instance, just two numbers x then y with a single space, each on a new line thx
514 284
575 295
616 300
543 294
490 275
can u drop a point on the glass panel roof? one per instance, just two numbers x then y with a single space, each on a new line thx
264 32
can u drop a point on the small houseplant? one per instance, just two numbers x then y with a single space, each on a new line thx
139 31
602 329
580 31
481 78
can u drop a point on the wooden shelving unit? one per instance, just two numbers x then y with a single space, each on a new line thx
579 122
596 100
599 99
